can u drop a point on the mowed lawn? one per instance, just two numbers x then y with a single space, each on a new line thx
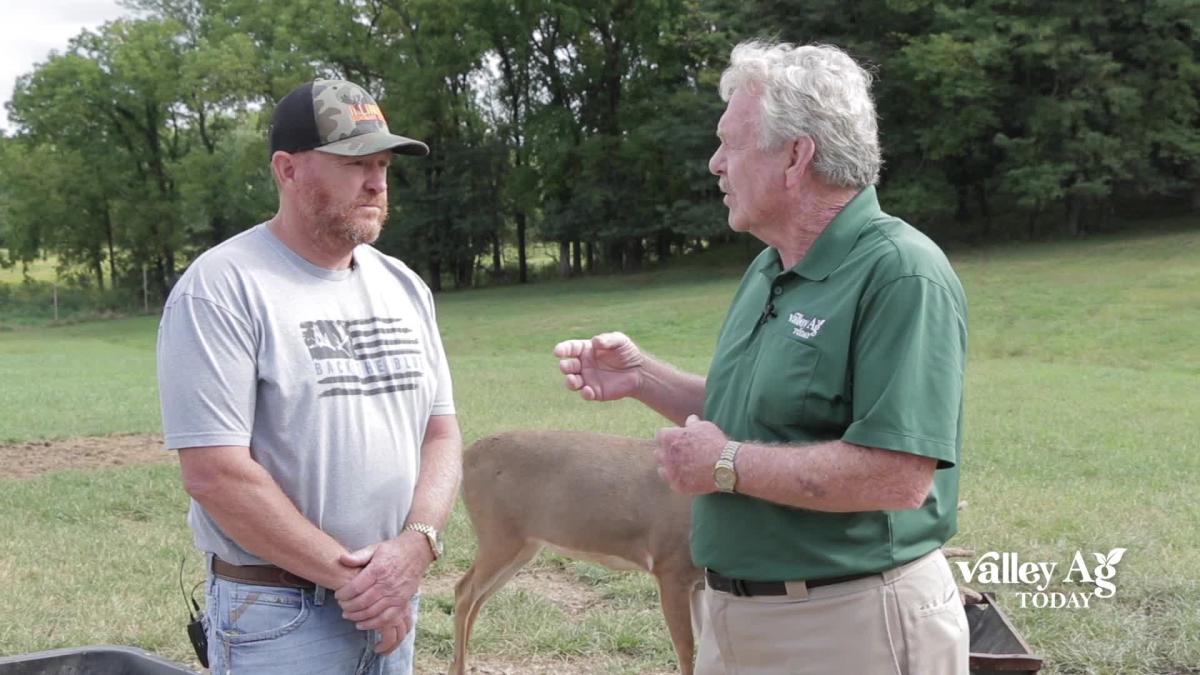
1082 435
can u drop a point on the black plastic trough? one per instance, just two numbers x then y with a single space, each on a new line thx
996 646
95 660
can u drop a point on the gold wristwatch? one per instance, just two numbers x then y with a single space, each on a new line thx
724 473
431 534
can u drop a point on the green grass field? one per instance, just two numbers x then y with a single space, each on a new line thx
1081 435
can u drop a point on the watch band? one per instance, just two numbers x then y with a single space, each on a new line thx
730 452
725 472
431 536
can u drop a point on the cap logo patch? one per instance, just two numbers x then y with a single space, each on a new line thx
365 112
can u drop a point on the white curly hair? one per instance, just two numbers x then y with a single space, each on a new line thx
817 91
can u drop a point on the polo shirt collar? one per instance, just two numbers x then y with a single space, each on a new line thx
834 244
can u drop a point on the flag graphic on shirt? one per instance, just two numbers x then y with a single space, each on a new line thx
363 357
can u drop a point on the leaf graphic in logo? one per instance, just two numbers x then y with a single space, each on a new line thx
1100 558
1114 557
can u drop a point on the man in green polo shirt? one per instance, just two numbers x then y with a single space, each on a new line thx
823 446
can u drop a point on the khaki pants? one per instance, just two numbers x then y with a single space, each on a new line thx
907 621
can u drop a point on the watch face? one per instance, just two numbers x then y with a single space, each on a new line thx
725 478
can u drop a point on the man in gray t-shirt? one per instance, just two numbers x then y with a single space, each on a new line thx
304 384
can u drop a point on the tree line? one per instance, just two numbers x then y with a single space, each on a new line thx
584 125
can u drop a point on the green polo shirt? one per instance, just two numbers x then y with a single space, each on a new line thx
864 340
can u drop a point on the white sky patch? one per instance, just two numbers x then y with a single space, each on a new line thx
31 29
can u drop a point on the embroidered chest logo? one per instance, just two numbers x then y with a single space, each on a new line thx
805 326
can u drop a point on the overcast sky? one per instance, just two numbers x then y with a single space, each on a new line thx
30 29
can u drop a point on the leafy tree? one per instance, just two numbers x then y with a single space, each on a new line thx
112 95
588 125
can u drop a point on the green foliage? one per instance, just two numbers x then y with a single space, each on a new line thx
32 302
999 111
586 126
228 189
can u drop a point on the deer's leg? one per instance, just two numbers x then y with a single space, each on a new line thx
496 562
675 592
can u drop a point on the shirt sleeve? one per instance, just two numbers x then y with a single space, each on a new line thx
443 399
907 382
206 375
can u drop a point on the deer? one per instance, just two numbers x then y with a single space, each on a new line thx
588 496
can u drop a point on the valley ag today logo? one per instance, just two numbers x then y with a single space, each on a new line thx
1007 568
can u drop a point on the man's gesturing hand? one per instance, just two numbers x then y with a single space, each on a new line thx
380 596
604 368
686 455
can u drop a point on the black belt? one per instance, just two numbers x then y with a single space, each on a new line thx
746 588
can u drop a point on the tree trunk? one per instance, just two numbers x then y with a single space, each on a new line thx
497 263
160 276
435 275
635 251
464 276
962 212
217 226
108 235
98 269
564 258
169 279
614 255
590 257
662 246
522 266
1074 216
576 259
985 209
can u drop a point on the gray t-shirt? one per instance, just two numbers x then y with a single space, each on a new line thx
328 376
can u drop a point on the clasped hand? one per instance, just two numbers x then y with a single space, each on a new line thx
380 596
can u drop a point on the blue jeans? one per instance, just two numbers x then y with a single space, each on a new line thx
256 629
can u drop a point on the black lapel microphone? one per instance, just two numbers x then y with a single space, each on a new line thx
768 312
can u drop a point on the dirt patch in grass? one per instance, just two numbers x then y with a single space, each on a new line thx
34 458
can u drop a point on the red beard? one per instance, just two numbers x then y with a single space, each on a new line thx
344 222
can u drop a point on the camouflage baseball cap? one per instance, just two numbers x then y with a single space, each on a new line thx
336 117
